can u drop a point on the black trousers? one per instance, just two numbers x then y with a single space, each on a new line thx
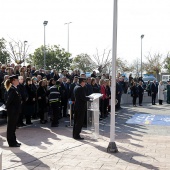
21 115
103 107
140 98
153 98
64 107
160 101
11 126
118 97
41 112
78 122
55 112
134 100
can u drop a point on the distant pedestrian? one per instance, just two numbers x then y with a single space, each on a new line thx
168 92
134 93
148 88
154 91
160 92
140 92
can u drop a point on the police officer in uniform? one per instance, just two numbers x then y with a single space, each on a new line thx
79 107
13 106
55 102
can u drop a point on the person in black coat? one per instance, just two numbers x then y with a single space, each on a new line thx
30 103
24 96
65 94
13 106
154 91
4 95
79 107
140 92
71 94
41 95
95 88
134 93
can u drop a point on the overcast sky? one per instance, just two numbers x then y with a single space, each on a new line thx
91 25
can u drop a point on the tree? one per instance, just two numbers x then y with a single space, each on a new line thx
153 64
56 57
123 66
167 63
83 62
18 51
101 61
4 55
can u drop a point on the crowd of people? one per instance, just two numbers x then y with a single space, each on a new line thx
45 94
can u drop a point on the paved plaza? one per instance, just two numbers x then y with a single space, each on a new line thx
140 146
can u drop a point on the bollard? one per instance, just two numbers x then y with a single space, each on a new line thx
0 159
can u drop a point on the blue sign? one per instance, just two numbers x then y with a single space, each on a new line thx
149 119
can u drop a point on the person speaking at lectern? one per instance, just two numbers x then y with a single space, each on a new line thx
79 108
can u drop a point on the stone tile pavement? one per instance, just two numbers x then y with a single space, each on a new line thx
140 146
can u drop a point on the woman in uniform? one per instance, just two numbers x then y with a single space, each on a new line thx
13 106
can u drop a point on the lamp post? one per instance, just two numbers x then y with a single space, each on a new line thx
68 35
45 23
141 53
24 51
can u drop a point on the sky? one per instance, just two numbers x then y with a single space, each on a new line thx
91 26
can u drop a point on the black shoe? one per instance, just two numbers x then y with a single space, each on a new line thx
21 125
15 145
54 125
18 143
79 138
42 121
29 123
140 105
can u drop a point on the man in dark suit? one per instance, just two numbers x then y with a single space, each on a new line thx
154 91
119 90
65 94
79 107
140 93
71 94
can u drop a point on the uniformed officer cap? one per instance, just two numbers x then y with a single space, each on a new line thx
58 82
13 77
168 80
76 77
81 79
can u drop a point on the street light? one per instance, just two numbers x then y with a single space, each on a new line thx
24 51
68 35
45 23
141 53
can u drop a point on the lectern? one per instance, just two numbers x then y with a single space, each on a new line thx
93 114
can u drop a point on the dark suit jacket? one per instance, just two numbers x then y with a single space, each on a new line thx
80 98
71 92
154 88
13 100
140 90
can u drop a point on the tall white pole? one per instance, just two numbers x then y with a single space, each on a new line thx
68 40
141 53
44 51
112 145
24 51
68 36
